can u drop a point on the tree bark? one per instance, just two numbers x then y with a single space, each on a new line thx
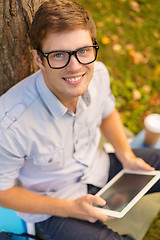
15 53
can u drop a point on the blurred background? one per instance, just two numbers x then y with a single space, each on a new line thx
129 39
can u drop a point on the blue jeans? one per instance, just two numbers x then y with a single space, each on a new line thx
56 228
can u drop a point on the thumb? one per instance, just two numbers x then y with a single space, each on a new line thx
95 199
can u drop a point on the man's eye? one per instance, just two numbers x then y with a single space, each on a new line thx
58 55
83 51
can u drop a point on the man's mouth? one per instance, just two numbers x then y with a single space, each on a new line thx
73 80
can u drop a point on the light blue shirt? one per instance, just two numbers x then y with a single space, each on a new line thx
46 148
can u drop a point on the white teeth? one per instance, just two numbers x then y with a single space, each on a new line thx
73 79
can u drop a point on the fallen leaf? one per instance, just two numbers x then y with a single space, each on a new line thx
117 21
117 47
105 40
130 46
135 105
115 38
155 100
139 19
148 51
156 73
146 88
136 95
100 24
135 6
99 5
136 57
116 70
120 30
156 35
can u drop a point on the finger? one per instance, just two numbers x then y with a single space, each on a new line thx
100 216
110 218
92 219
145 166
95 199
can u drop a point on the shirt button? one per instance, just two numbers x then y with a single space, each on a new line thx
76 141
50 160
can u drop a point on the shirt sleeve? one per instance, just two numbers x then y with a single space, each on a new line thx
11 159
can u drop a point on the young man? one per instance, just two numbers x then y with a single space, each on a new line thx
50 164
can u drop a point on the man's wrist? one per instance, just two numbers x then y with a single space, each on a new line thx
124 156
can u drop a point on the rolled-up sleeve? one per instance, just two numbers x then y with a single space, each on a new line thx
11 159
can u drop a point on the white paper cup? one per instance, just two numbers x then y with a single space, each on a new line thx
152 129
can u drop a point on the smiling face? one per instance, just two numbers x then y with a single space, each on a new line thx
71 81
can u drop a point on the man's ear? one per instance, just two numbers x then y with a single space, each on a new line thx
37 59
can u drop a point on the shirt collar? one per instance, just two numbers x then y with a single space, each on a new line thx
55 106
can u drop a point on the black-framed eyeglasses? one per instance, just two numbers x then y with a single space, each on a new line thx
60 59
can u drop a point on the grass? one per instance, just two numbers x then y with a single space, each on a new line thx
129 38
154 230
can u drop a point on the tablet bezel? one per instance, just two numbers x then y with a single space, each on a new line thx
120 214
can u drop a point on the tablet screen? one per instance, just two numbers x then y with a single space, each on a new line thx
124 190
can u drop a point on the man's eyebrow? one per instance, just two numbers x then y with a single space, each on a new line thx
65 50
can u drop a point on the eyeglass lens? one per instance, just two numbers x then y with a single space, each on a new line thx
60 59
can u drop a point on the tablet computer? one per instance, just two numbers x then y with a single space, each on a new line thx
124 190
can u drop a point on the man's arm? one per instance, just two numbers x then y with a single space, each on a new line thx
113 130
22 200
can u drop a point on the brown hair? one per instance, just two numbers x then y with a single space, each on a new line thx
58 16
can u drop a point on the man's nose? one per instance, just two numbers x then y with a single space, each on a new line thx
73 63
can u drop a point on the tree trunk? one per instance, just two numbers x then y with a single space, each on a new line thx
15 53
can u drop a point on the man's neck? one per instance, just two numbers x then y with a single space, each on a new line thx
71 105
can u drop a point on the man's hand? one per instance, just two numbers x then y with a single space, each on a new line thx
132 162
83 209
